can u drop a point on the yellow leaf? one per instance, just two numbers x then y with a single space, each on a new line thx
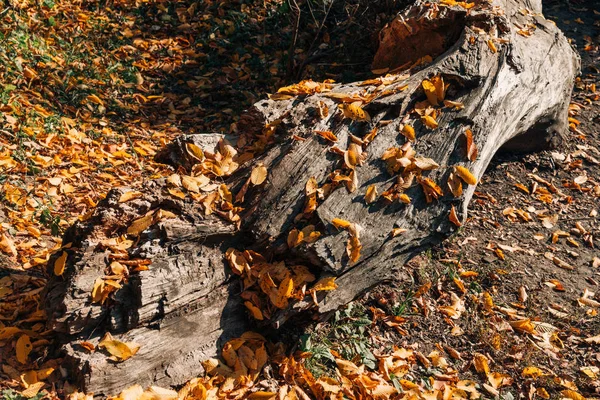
533 372
258 175
44 373
347 367
176 193
119 351
430 92
237 261
32 390
454 104
283 293
141 224
23 348
261 395
354 111
352 156
194 151
59 264
425 164
523 325
543 393
127 196
492 46
498 380
327 283
409 133
256 313
465 175
95 99
481 364
429 121
7 245
341 223
404 198
431 189
571 394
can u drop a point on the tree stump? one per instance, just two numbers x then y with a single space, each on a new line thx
359 178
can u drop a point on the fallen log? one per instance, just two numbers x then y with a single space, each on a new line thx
323 180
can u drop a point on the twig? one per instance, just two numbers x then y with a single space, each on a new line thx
292 49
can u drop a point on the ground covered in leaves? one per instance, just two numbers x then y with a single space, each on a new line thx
90 90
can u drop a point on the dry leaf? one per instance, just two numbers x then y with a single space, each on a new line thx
429 122
327 283
454 218
371 194
465 175
471 146
481 364
194 151
327 135
258 175
341 223
127 196
409 133
23 348
119 351
59 264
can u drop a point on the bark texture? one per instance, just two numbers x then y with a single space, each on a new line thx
187 302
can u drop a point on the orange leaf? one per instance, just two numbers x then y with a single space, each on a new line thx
59 264
471 146
465 175
23 348
454 218
327 135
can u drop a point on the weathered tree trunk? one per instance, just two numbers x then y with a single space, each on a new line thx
511 69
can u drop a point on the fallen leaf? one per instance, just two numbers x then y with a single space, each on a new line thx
327 135
327 283
258 175
465 175
23 348
471 146
409 133
127 196
371 194
194 151
454 218
119 351
59 264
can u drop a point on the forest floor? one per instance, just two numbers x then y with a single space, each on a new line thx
90 90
